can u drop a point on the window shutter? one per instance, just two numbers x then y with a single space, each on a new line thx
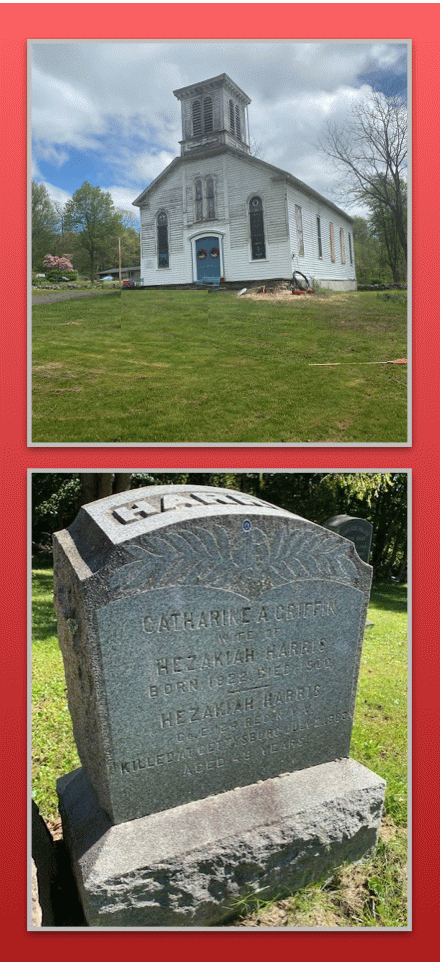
332 242
299 230
341 238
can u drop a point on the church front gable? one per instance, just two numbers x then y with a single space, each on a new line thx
218 211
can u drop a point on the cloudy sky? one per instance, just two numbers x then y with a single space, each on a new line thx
105 112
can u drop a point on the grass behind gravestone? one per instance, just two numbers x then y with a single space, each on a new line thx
368 894
193 367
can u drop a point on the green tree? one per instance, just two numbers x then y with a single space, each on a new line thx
368 253
92 216
383 225
130 242
378 497
44 225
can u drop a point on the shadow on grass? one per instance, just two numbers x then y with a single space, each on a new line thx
389 596
44 625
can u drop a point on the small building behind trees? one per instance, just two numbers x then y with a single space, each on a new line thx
217 211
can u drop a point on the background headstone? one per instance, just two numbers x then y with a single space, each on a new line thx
211 645
357 530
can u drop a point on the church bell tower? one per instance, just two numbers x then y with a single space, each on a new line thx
214 113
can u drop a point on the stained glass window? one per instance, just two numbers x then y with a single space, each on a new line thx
199 199
258 245
162 240
210 201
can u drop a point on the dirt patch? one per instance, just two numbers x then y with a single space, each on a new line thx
41 368
67 390
274 917
276 295
283 292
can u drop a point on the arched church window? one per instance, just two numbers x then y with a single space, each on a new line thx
163 259
199 199
210 200
207 114
231 117
258 245
237 122
197 118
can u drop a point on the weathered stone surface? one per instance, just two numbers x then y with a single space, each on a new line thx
210 640
188 866
357 530
36 913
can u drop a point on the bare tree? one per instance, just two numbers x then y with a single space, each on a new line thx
370 151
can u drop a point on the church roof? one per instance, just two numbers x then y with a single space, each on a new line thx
222 80
246 158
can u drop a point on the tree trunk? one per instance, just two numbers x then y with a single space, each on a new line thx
101 484
121 482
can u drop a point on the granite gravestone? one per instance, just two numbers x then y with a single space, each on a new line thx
211 644
357 530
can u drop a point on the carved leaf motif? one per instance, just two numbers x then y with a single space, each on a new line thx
200 557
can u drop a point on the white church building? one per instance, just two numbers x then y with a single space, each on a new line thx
217 211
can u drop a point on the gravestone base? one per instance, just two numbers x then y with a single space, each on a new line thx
189 866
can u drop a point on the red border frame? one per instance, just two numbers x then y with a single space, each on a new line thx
418 22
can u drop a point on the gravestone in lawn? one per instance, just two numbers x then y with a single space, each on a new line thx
357 530
211 645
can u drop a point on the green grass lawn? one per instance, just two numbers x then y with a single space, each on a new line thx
370 893
189 366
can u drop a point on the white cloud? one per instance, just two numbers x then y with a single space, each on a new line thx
113 101
122 198
56 194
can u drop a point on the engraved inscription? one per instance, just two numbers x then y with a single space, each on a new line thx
135 511
241 690
126 515
222 640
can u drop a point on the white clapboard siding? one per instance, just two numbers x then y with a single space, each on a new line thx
244 180
237 177
323 270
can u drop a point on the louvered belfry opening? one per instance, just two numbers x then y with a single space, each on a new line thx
197 118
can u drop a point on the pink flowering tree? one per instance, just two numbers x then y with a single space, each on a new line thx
58 264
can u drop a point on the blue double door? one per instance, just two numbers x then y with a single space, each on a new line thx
208 257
